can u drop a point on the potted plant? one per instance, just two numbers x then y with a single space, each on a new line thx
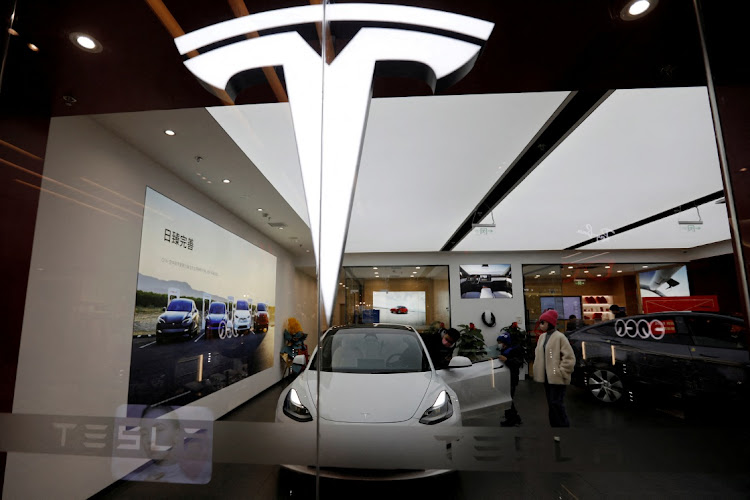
471 343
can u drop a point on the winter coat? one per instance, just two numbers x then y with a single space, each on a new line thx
558 360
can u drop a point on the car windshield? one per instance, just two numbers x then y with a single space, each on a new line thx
261 307
242 305
217 308
371 350
180 305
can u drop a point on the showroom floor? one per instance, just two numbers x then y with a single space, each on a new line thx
639 452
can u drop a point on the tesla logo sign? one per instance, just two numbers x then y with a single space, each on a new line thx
329 102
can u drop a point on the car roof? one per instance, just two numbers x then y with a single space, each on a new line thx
371 326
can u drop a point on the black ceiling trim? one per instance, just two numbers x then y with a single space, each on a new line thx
667 213
576 108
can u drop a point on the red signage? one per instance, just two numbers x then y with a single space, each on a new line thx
705 303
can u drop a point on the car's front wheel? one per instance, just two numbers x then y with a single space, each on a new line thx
606 385
222 331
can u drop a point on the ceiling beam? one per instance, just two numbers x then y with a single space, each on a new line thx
648 220
571 113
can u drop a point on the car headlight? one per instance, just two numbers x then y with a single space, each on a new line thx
162 320
293 408
187 320
441 410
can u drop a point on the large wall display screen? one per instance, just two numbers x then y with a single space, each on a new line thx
665 282
406 308
485 281
565 306
204 309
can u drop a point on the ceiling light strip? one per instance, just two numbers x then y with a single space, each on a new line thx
661 215
571 113
176 31
240 10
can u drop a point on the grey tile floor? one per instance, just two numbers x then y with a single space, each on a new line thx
617 452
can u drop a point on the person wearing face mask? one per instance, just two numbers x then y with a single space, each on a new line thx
554 361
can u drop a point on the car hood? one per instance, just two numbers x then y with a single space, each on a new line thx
369 398
215 317
242 314
172 316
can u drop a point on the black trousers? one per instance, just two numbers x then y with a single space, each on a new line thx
556 404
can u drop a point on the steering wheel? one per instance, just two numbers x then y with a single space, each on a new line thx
393 360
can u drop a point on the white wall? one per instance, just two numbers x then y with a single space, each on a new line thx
506 311
76 342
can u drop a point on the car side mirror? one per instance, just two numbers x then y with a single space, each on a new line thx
459 362
163 309
299 359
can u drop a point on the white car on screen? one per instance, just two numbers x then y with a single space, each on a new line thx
243 318
379 377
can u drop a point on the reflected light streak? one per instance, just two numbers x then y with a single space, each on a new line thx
613 355
68 186
583 349
19 150
44 190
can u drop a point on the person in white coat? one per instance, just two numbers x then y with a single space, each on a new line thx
556 360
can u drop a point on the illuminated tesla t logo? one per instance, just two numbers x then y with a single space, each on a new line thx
329 102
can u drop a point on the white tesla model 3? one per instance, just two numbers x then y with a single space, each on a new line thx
379 379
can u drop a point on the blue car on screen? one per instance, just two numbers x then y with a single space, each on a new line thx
180 320
218 321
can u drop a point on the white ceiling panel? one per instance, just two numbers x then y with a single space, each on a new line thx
641 152
428 161
668 233
264 132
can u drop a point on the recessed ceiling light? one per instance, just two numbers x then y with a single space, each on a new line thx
599 275
260 210
169 132
743 169
536 276
552 272
209 182
619 271
33 47
417 267
198 173
374 267
226 181
85 42
586 272
279 226
635 9
607 267
308 251
341 284
567 276
570 267
12 32
644 267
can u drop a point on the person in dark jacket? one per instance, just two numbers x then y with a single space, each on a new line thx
440 347
512 355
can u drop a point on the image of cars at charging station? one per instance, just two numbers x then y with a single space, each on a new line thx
180 320
219 321
243 316
262 319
